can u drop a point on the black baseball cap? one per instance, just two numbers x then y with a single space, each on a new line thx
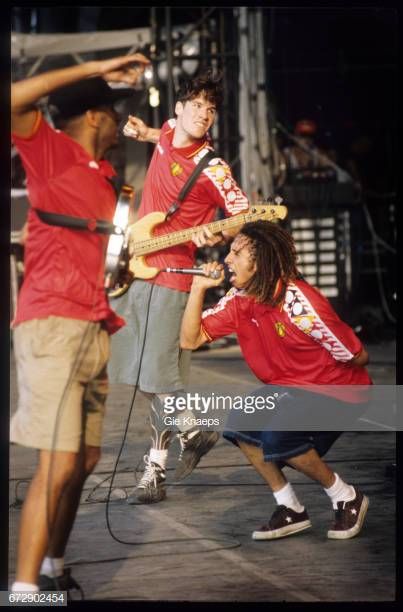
77 98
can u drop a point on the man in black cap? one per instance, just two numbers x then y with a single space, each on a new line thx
63 319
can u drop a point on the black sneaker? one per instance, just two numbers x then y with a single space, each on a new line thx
151 488
65 582
349 517
192 450
284 522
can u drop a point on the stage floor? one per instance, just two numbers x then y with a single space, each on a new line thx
196 545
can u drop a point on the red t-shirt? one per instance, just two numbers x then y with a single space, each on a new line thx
302 343
64 268
169 170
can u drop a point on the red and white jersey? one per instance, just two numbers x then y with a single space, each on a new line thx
64 268
168 172
302 342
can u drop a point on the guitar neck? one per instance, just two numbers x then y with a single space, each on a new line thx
167 240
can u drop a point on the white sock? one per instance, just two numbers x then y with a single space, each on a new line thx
159 456
52 567
340 491
287 497
23 587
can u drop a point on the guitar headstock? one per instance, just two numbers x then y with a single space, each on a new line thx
270 209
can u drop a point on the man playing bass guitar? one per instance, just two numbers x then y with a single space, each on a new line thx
180 145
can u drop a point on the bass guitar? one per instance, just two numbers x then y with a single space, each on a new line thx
139 241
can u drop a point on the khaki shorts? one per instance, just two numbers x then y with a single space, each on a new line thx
62 383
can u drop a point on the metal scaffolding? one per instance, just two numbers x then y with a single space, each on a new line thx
226 39
231 39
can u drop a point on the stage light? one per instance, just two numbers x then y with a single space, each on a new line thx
316 245
189 48
327 256
163 72
328 269
304 234
149 73
154 97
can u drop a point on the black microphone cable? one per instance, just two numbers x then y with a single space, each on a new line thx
232 543
128 418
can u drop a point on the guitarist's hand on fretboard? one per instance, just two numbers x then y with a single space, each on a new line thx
141 241
204 237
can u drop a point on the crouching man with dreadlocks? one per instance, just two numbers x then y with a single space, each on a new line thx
289 335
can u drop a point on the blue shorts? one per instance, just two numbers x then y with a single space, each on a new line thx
285 436
281 445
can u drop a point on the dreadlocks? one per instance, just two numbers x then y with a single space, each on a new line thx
208 84
273 251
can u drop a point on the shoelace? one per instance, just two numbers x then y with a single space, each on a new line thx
151 472
340 507
339 513
183 439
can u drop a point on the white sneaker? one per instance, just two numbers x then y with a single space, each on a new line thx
150 489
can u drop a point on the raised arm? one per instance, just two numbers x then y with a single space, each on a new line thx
25 93
192 335
136 129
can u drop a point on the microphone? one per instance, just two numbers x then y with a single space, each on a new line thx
196 271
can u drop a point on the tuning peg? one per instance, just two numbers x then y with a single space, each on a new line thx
278 199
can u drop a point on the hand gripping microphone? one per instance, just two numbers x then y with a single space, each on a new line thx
196 271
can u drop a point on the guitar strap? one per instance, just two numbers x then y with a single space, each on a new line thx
203 163
99 226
